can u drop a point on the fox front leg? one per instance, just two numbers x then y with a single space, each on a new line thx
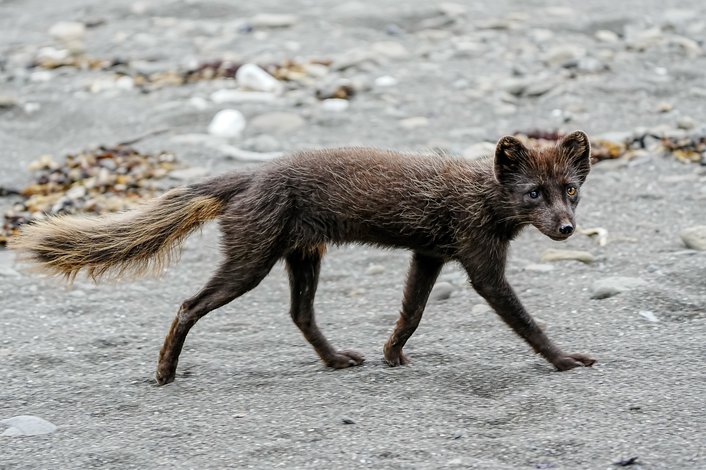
495 289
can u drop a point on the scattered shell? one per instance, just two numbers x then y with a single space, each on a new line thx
106 179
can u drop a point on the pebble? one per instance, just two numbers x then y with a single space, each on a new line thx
335 105
67 31
567 255
611 286
8 102
441 291
560 55
26 425
239 96
648 315
694 237
385 81
375 269
227 123
277 122
664 107
479 309
414 122
347 420
252 77
273 20
607 36
686 123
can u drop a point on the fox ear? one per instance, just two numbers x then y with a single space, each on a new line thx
576 149
509 154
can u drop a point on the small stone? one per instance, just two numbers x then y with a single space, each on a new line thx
272 20
664 107
239 96
375 269
68 31
479 309
611 286
560 55
686 123
347 420
414 122
648 315
694 237
690 47
252 77
385 81
441 291
277 122
605 35
227 123
7 102
479 150
568 255
41 76
27 426
335 105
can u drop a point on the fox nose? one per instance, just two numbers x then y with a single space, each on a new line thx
566 229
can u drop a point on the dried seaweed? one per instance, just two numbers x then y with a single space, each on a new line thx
106 179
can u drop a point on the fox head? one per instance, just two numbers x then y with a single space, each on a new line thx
541 186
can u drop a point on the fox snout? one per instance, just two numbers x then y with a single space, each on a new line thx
566 229
561 229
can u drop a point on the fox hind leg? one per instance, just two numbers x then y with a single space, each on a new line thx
234 278
303 267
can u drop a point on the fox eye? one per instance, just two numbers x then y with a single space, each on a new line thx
534 194
571 191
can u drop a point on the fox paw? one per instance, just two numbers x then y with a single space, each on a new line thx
569 361
164 376
343 359
394 359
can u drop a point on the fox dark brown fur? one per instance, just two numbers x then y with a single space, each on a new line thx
442 209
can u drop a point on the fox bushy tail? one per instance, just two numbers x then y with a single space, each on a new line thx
135 242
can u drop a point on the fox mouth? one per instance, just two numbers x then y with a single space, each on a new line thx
558 238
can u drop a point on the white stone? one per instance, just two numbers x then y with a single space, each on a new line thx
27 426
441 291
611 286
41 76
227 123
68 31
385 81
252 77
414 122
607 36
375 269
335 105
567 255
240 96
273 20
694 237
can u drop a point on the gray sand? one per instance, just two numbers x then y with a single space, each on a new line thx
250 392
